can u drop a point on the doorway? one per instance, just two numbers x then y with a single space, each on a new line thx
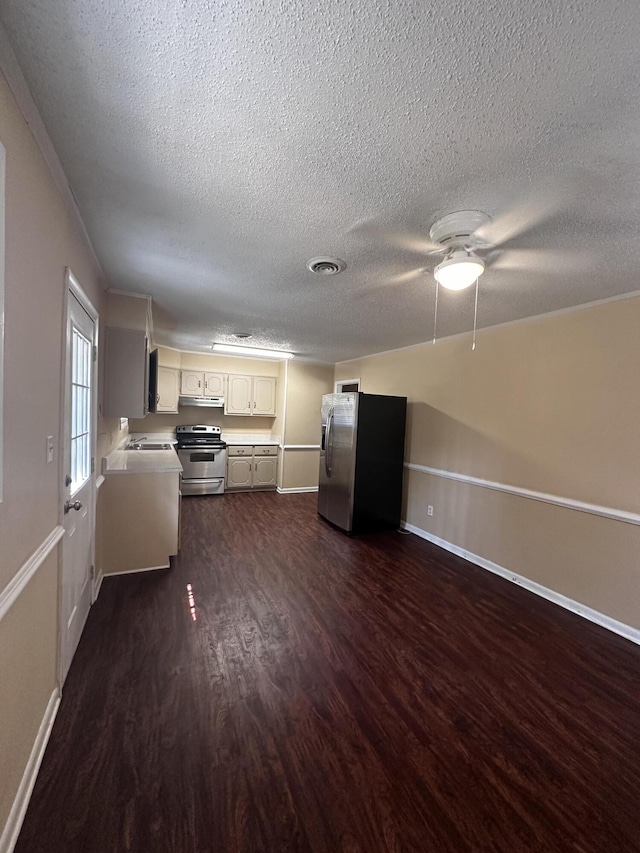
345 386
78 469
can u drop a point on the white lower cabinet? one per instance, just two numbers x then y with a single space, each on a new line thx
252 466
139 521
239 471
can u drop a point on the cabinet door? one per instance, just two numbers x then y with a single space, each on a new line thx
126 392
214 384
264 395
238 398
192 383
264 471
239 473
168 389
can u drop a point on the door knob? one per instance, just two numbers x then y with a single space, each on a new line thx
69 506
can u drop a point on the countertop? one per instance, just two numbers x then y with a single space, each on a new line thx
122 461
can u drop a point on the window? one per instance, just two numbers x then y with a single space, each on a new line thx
81 367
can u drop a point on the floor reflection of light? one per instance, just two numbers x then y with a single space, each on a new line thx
192 602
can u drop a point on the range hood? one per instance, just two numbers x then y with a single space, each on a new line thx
209 402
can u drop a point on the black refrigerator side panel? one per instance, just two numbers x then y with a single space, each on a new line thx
379 462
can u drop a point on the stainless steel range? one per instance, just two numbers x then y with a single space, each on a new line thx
203 455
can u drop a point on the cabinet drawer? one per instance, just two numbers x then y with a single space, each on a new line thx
265 450
239 450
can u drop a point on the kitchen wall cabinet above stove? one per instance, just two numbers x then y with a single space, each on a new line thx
250 395
197 383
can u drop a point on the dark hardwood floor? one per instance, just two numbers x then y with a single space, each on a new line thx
335 694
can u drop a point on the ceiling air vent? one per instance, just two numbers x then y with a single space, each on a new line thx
326 266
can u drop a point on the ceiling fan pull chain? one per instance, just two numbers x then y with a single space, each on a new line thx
435 314
475 318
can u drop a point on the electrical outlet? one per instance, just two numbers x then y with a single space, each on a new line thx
429 510
49 449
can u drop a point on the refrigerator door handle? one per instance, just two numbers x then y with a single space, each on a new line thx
328 454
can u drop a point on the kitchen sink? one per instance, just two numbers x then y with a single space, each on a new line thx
150 445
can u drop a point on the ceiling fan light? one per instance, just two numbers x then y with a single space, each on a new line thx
458 273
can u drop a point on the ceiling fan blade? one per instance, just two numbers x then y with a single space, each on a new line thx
523 217
550 261
394 280
409 275
412 242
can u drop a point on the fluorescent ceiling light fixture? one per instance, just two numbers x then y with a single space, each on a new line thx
459 271
252 351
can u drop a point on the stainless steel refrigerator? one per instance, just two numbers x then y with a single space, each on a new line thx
361 461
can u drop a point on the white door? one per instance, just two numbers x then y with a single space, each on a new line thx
78 491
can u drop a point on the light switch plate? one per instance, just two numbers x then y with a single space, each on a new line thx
49 449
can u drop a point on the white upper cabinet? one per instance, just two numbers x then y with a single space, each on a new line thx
239 400
214 384
192 383
126 392
198 383
168 389
250 395
264 395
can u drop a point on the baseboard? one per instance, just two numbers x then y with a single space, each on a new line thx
627 631
132 572
97 586
296 491
19 808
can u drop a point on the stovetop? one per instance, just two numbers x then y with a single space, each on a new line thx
199 435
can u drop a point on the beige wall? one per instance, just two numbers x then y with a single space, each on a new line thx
27 675
127 312
299 469
42 238
550 405
169 357
229 364
305 385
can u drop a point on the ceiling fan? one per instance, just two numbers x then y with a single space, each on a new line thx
458 237
470 241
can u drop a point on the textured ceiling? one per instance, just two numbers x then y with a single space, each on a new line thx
214 147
